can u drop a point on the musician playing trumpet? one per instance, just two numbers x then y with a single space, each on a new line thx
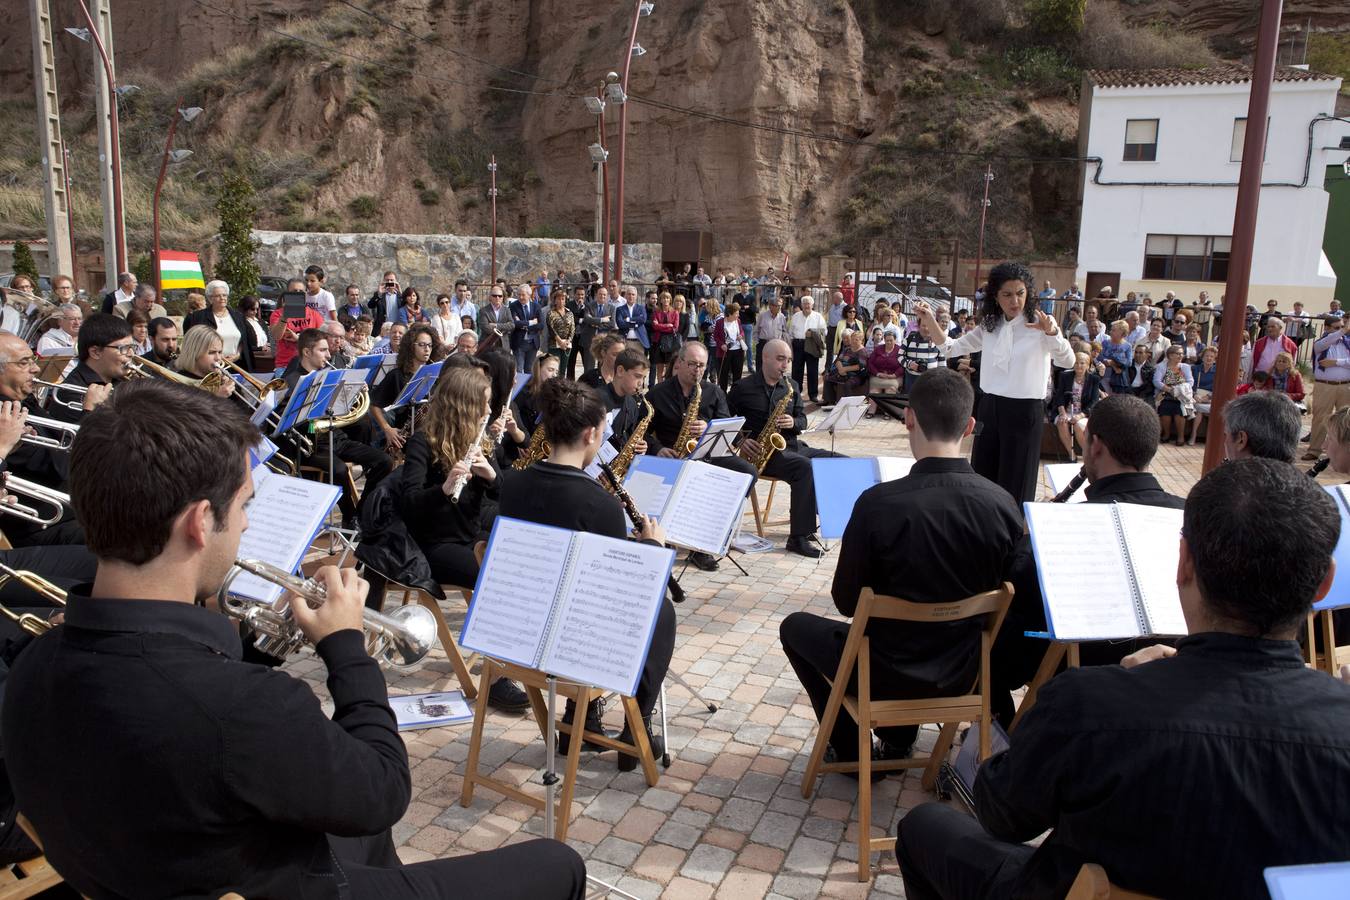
213 774
105 345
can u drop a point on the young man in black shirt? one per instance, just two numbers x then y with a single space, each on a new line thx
957 530
104 346
211 774
1184 776
621 397
754 397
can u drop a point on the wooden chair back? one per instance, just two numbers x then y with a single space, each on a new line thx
1092 884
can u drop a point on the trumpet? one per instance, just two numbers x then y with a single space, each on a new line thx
400 639
65 433
42 494
52 397
34 625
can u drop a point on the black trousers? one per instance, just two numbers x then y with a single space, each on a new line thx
729 368
830 332
375 463
947 855
804 363
1007 447
814 645
368 869
452 563
794 467
658 660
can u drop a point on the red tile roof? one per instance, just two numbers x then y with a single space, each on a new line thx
1226 74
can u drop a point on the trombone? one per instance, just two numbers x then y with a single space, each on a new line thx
400 639
53 387
140 367
41 494
34 625
65 434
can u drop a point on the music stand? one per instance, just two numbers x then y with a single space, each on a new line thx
847 413
310 401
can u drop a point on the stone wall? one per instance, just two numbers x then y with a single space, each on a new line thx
435 261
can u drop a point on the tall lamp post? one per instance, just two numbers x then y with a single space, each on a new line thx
492 193
618 93
92 35
170 155
599 153
70 219
1244 225
984 210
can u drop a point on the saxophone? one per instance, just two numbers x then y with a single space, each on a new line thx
624 459
769 439
539 448
685 442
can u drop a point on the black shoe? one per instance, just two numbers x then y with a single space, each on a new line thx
884 751
628 762
802 546
1306 439
705 561
505 695
594 710
832 756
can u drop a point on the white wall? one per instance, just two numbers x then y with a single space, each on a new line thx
1194 141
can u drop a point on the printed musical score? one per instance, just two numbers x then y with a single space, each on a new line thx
516 591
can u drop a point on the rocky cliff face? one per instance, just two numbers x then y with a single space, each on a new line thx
385 121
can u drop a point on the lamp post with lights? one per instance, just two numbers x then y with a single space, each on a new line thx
618 93
170 156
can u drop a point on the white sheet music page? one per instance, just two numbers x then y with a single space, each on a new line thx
516 589
283 517
608 612
649 491
1059 476
1153 537
706 506
1084 577
891 468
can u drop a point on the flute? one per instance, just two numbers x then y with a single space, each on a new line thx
468 459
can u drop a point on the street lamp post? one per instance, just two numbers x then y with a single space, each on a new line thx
984 209
620 95
120 239
492 193
170 155
599 153
70 218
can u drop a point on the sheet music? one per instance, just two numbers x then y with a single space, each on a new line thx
603 455
649 491
349 388
1153 538
847 413
706 507
283 517
891 468
429 710
608 612
516 589
718 437
1084 577
1059 476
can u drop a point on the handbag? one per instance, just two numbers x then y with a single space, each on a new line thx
815 343
668 344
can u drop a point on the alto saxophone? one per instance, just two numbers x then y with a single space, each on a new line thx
624 459
685 442
538 448
769 439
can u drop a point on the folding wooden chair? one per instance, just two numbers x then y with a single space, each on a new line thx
1092 884
871 714
341 470
30 877
762 520
447 637
1330 657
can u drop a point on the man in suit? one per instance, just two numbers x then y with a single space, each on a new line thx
1232 717
528 317
630 319
384 303
495 323
125 293
593 317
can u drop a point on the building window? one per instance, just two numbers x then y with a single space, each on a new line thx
1186 257
1240 137
1141 140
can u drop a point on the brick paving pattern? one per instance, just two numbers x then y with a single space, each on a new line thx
727 819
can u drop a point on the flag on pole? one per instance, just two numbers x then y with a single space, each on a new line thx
180 270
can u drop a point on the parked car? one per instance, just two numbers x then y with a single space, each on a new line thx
905 289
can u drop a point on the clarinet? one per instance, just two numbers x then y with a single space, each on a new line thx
1319 467
1074 484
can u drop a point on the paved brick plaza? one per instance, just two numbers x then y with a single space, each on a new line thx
727 819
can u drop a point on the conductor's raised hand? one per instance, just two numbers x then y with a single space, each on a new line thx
343 607
927 321
1044 323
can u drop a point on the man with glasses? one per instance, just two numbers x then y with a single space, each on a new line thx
337 344
494 321
105 345
144 300
62 337
384 303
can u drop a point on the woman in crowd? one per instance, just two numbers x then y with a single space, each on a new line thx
665 324
235 334
1286 378
1116 354
445 323
201 352
707 318
562 327
1018 343
251 309
1175 395
605 349
410 311
195 301
1071 320
558 492
689 330
1191 345
847 324
729 339
418 347
884 367
1075 394
846 375
1203 374
140 330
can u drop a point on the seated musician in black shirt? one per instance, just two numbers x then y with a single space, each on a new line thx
754 397
958 532
558 492
104 346
670 400
605 348
1122 439
503 434
1185 776
163 341
418 347
211 774
623 397
311 356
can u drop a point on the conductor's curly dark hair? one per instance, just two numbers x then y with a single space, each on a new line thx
990 312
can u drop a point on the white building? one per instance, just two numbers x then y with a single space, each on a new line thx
1157 210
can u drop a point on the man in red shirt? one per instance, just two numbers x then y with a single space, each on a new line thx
285 332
